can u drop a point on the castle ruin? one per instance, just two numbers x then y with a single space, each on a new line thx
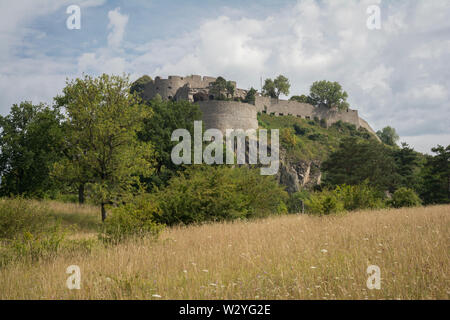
222 114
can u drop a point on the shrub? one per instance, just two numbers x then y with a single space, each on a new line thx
299 130
207 193
19 216
359 197
344 198
295 201
287 138
405 197
323 203
28 231
136 219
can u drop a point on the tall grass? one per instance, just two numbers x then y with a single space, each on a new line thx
288 257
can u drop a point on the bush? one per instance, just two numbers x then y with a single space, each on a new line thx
28 231
345 198
323 203
19 217
287 138
359 197
132 220
208 193
295 201
405 197
299 130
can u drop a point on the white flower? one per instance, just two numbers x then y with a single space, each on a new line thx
324 250
156 296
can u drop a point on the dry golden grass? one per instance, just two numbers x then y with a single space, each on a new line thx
290 257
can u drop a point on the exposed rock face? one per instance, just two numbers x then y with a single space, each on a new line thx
298 175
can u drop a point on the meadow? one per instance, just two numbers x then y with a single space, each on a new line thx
280 257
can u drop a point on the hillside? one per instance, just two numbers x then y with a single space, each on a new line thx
305 144
288 257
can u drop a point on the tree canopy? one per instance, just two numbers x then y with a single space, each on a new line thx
31 140
388 135
103 119
274 88
328 94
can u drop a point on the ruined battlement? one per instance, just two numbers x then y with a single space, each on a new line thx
232 114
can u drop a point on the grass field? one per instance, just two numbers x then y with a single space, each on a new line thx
289 257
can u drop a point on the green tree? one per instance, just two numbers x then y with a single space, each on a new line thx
216 193
250 96
230 89
302 99
409 164
157 129
103 119
328 94
388 136
31 140
274 88
436 176
139 85
282 85
358 160
269 89
218 88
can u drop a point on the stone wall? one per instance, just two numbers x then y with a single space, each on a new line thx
184 88
307 111
224 115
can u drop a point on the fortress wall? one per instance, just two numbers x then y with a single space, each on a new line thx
305 111
366 125
224 115
235 115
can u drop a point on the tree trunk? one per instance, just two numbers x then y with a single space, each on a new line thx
81 193
103 212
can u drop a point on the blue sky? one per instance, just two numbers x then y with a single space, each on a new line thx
397 76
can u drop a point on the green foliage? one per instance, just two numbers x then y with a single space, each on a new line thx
328 94
157 129
222 89
287 138
302 99
282 85
274 88
409 164
250 96
356 161
324 203
269 89
296 201
405 197
28 230
102 149
436 177
135 219
139 85
344 198
388 136
19 216
216 193
31 140
359 197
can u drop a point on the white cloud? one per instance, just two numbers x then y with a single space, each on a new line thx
395 76
117 24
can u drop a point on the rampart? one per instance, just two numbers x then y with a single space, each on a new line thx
236 115
224 115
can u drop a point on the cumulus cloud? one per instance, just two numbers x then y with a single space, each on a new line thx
395 76
117 24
